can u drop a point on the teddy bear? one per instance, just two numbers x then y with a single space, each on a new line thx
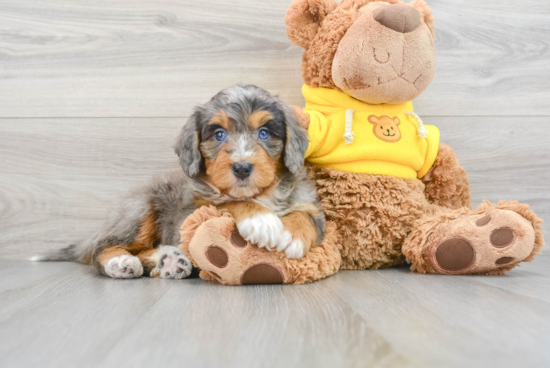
392 193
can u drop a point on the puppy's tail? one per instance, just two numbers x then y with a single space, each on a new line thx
73 253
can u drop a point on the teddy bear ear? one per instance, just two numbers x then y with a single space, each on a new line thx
426 13
304 17
373 119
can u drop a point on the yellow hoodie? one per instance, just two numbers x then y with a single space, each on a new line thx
349 135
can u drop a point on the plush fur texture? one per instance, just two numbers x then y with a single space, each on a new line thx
446 184
373 215
383 221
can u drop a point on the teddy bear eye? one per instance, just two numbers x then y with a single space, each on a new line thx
381 128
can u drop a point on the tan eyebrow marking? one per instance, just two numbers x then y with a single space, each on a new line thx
220 118
258 118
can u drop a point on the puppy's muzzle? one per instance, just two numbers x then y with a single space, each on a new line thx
242 170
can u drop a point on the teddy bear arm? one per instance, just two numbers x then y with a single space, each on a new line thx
447 182
303 116
210 238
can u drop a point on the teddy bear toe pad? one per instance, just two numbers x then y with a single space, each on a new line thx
262 274
220 250
482 243
455 254
217 256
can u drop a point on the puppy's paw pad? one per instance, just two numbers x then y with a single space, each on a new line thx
124 267
264 230
173 264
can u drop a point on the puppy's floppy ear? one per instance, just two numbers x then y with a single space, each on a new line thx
426 14
187 145
297 142
304 17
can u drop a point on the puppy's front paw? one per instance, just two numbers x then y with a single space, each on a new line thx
293 248
265 230
124 267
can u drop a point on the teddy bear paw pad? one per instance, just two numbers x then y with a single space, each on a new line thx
455 254
228 258
483 243
262 274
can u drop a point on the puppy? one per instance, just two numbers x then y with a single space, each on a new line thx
243 151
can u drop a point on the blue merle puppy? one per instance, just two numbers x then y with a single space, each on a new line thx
242 151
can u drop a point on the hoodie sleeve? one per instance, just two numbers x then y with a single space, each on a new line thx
319 126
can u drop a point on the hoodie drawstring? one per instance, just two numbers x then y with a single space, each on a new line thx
348 136
422 132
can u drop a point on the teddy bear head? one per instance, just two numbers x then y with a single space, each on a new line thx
377 51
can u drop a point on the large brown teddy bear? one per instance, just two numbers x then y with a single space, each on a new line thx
392 194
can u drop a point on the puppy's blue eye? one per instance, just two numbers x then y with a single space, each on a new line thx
220 135
263 134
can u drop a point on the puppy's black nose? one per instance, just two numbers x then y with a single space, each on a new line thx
242 170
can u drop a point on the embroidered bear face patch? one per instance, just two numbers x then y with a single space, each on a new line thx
386 128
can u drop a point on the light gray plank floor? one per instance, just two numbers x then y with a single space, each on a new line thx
92 94
66 315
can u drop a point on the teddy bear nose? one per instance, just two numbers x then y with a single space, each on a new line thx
399 17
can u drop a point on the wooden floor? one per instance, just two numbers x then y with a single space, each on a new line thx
92 95
66 315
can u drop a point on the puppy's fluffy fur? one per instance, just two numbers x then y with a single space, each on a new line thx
242 151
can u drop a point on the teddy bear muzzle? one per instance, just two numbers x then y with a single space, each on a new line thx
399 17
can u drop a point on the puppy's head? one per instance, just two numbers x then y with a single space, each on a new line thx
241 141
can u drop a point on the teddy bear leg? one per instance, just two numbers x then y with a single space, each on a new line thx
490 240
225 257
447 182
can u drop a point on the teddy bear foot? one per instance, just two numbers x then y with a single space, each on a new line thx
225 257
491 240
